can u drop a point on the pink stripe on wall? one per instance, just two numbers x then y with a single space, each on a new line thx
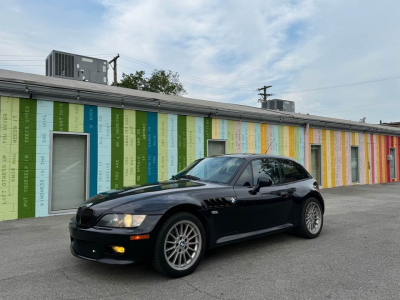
361 147
238 137
348 158
338 158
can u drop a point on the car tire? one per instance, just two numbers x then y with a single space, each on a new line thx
311 220
179 246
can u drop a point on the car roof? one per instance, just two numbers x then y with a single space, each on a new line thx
253 156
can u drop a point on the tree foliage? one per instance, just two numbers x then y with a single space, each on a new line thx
160 81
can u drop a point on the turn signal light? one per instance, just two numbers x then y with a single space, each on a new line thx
140 237
118 249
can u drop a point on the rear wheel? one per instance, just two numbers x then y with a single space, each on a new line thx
179 246
311 219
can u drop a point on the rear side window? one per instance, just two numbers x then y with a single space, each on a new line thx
292 171
267 167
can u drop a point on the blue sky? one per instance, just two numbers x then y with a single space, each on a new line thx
224 50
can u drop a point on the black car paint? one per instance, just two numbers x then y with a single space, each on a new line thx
273 209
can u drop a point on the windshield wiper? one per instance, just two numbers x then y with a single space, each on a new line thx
174 177
190 177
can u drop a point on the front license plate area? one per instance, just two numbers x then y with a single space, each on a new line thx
86 249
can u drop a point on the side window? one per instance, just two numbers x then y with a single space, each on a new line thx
246 179
267 167
292 171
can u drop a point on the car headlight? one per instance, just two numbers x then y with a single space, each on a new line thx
121 220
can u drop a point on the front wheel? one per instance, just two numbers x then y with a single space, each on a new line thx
311 219
179 246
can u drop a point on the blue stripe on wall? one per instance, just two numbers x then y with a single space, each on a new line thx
90 126
152 147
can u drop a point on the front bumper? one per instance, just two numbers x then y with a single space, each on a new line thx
94 243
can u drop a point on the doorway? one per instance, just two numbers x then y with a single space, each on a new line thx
69 167
316 163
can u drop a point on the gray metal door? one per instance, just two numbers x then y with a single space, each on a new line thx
316 163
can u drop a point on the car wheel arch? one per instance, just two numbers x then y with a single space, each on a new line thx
189 208
319 198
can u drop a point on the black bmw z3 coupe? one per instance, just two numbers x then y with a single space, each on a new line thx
220 200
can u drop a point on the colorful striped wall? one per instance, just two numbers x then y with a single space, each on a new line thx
336 156
133 147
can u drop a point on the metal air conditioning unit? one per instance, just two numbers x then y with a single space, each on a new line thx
278 104
76 67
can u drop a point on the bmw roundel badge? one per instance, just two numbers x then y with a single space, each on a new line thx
233 200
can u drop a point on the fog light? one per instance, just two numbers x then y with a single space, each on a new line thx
118 249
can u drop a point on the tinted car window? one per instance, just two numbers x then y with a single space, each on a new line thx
267 167
246 179
292 171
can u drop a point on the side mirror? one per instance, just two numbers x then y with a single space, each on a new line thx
261 182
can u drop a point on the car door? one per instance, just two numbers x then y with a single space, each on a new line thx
271 205
294 176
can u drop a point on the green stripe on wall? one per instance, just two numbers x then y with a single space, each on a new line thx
182 155
207 133
61 116
27 158
141 147
117 148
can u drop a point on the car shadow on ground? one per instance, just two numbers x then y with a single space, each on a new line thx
142 273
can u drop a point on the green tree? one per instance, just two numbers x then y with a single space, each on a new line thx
160 81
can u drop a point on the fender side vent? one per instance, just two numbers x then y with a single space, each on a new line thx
217 203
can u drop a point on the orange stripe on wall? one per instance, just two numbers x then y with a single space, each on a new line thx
344 165
353 138
264 145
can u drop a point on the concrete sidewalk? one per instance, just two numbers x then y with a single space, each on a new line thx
357 256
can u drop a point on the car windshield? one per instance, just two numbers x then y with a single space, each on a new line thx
215 169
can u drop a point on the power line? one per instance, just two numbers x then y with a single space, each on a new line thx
21 60
351 107
21 65
186 83
45 55
344 85
185 75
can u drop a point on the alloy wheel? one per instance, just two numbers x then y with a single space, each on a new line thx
313 218
182 245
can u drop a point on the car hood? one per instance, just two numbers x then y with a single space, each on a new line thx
158 191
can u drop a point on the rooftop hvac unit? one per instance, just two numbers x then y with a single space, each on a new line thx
278 104
77 67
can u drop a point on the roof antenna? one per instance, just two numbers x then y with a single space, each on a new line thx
270 145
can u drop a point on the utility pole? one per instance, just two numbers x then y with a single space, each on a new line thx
114 60
264 95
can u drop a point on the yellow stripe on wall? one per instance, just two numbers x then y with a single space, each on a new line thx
332 155
344 164
216 129
250 137
291 142
366 139
286 140
324 160
75 120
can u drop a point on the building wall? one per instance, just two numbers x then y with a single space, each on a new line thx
336 156
132 147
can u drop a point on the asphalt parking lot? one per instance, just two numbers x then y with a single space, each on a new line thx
357 256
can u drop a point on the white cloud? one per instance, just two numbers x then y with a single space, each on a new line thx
292 45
